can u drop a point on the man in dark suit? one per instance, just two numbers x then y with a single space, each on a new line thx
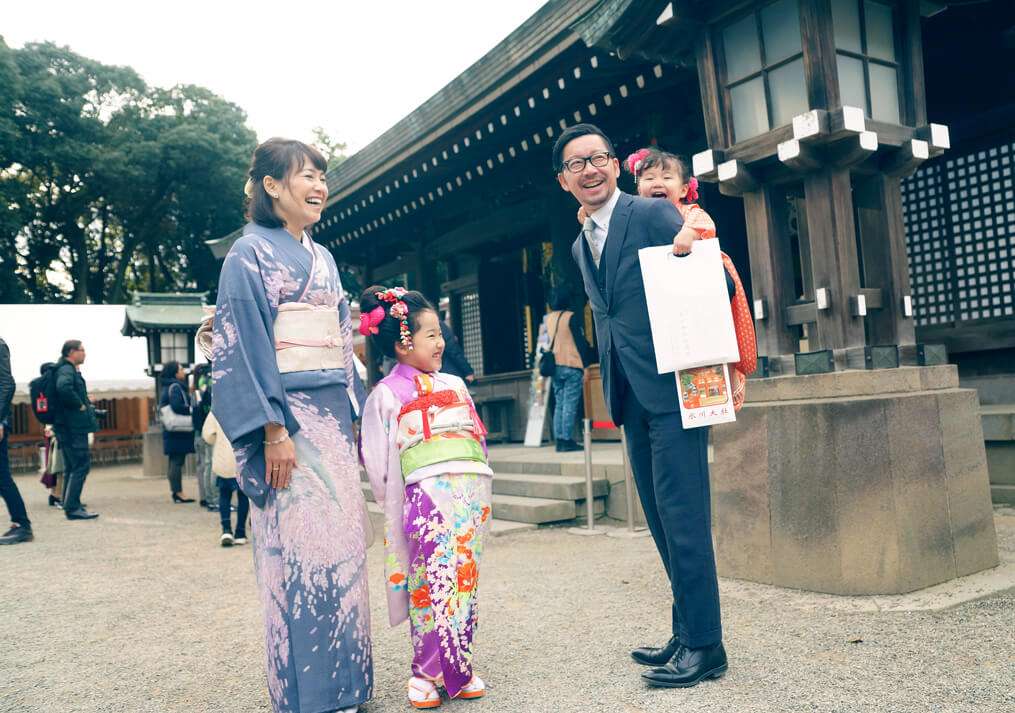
669 463
455 362
21 526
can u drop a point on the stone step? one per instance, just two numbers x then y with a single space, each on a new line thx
556 487
498 528
520 508
1002 494
545 487
533 510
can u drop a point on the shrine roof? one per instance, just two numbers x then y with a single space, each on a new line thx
163 311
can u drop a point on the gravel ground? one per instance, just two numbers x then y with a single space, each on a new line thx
141 611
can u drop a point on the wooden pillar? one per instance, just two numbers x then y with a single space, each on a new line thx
831 239
771 268
562 228
883 250
427 280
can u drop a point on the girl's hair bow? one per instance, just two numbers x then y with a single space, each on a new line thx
368 322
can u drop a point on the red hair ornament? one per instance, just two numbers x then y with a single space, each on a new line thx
398 310
634 161
692 190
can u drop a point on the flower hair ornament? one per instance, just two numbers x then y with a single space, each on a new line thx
368 322
636 160
398 310
692 190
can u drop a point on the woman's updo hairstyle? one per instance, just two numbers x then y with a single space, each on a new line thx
276 158
386 332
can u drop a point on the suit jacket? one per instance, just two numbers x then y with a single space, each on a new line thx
455 362
617 296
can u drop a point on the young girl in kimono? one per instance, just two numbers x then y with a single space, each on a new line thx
423 449
660 174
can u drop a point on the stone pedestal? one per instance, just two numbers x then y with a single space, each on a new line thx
857 482
155 464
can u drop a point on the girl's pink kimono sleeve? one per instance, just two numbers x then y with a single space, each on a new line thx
380 459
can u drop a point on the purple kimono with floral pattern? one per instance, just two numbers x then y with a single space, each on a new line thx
310 538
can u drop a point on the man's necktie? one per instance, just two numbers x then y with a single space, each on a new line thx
588 229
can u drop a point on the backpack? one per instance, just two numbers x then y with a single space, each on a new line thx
42 390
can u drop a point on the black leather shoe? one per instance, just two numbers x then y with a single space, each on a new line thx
54 502
656 656
81 514
567 446
689 667
16 535
177 498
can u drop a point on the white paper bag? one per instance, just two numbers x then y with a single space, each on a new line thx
706 396
688 307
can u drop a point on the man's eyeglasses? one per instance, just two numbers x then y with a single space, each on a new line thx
577 165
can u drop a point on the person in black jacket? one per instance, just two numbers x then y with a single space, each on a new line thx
21 526
455 362
73 419
176 444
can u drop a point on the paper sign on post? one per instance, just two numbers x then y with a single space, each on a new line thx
688 307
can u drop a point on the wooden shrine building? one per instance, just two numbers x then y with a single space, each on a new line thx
860 154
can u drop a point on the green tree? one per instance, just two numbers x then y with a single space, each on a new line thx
334 151
176 168
110 185
12 191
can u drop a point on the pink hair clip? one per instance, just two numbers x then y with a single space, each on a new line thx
636 160
368 322
692 189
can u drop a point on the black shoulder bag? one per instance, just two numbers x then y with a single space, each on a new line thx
548 362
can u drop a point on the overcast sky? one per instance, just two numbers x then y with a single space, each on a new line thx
354 68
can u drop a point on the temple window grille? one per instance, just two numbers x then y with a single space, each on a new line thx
472 333
960 237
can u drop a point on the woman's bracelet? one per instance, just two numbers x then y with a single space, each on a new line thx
282 439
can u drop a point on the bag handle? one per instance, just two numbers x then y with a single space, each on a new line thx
180 386
556 329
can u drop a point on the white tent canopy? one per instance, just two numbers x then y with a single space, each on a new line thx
115 365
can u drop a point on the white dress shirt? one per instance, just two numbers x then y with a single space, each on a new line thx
600 227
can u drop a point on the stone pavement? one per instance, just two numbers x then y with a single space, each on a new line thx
141 611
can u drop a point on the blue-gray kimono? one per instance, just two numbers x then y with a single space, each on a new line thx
309 538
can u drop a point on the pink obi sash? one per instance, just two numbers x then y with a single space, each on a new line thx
307 337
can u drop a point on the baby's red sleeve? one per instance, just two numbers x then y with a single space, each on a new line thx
698 220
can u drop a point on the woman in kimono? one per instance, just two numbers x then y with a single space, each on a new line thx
425 455
285 395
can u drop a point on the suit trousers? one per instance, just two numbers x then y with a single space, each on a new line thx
77 463
670 466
